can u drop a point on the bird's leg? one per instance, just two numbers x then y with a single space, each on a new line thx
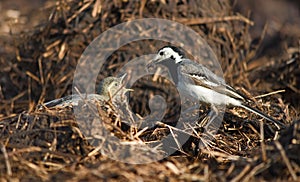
190 105
212 119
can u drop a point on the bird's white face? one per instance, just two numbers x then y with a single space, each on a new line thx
166 53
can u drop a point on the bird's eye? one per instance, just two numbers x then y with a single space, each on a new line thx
116 84
172 57
161 53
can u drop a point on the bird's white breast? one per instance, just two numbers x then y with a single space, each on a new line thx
207 95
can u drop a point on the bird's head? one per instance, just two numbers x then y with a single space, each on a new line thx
111 85
168 56
169 53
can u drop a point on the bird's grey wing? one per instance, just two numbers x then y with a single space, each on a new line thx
59 101
72 100
204 77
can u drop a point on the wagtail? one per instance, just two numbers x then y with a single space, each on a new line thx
199 82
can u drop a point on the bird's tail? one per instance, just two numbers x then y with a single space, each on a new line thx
258 112
57 102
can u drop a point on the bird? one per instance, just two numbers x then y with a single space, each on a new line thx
109 88
202 84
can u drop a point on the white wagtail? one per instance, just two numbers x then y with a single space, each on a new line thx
109 88
205 86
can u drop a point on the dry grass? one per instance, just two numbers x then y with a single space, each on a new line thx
49 144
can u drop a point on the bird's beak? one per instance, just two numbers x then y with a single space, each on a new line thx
153 62
122 77
129 90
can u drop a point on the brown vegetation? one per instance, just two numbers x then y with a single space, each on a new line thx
47 144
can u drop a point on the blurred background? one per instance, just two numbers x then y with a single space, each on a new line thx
280 18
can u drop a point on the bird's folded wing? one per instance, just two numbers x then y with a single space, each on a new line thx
72 100
206 78
59 101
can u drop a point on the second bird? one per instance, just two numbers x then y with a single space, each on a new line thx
109 88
